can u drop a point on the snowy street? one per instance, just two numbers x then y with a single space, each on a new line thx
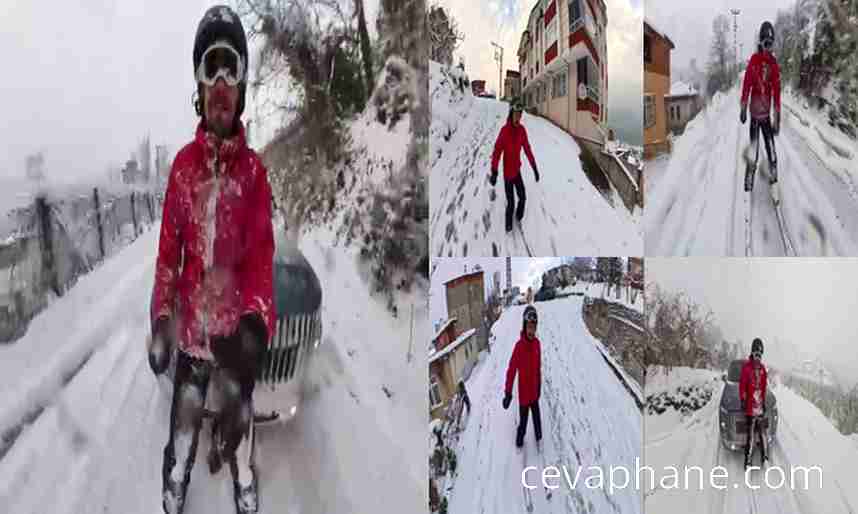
588 419
564 212
805 437
84 421
697 205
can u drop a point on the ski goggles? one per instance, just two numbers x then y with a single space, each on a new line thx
768 43
531 317
220 60
757 355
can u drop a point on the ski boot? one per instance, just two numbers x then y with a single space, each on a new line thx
508 227
246 494
173 494
773 184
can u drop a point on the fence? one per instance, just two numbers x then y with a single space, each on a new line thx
54 241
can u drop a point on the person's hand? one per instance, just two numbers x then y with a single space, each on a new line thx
536 173
743 116
493 177
506 400
161 345
776 123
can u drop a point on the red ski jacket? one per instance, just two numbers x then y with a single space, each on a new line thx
526 361
763 83
750 384
216 249
509 143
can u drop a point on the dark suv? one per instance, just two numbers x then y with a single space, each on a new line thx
732 419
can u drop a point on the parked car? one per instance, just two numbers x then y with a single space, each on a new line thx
733 422
545 294
298 332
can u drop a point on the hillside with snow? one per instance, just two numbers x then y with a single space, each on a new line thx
565 214
696 204
589 418
805 437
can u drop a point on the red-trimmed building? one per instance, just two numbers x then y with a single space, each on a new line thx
562 59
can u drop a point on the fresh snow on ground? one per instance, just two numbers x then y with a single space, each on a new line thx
697 205
805 438
564 213
588 419
95 419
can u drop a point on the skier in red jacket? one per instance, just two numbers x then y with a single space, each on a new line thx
510 141
762 87
526 362
753 384
212 297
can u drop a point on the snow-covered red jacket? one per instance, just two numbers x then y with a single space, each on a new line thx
216 249
526 362
510 141
753 383
763 84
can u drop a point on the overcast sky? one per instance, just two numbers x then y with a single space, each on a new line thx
811 303
503 22
689 25
525 272
85 81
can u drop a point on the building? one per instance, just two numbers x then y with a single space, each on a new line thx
657 47
466 301
560 276
682 104
562 57
451 358
512 84
478 87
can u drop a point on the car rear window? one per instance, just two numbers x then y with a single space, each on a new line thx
735 371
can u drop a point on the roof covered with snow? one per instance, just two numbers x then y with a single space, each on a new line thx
680 88
443 327
452 346
652 26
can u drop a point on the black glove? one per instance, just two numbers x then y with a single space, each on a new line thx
536 172
743 116
506 400
776 123
161 345
493 178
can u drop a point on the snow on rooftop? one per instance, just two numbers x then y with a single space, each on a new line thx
452 346
654 27
680 88
443 328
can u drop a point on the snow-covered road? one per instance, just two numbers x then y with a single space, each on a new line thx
804 438
84 421
588 419
698 205
564 215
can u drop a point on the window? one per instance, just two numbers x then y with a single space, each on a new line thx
649 110
575 14
558 83
678 111
647 48
434 392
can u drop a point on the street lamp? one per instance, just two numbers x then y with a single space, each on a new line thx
499 59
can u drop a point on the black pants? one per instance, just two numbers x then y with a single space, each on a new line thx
513 187
765 126
238 362
756 429
523 411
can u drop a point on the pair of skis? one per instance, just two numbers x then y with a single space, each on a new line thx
517 231
527 493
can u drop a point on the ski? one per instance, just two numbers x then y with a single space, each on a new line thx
523 240
528 497
541 452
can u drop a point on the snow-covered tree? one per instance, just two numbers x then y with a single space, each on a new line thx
444 35
718 68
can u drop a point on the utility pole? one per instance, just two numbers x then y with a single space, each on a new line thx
499 59
735 13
